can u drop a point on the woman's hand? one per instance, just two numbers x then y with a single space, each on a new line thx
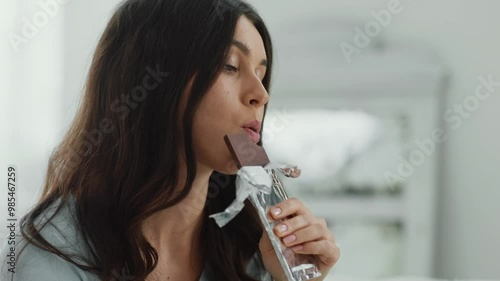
304 233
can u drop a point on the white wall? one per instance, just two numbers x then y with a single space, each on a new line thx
84 23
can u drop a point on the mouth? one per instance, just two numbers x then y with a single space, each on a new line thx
253 128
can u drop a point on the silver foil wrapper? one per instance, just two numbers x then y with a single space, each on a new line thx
297 267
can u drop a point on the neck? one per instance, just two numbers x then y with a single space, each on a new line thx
175 232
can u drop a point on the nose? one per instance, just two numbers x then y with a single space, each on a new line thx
256 94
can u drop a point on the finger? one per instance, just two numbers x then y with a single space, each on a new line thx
265 245
291 225
326 251
291 206
311 233
330 235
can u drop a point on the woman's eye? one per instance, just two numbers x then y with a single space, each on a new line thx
230 68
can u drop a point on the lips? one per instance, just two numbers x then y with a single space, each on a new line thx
253 128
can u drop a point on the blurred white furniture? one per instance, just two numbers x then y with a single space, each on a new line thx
402 87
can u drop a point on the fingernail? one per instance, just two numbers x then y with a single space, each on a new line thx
289 239
276 211
282 228
298 248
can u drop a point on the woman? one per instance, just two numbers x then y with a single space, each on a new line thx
129 190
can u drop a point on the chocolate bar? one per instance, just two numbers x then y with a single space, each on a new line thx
244 151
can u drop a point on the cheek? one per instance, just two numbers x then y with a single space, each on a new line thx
215 117
211 150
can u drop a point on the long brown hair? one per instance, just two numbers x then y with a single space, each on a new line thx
119 159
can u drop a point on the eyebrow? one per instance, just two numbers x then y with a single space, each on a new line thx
246 50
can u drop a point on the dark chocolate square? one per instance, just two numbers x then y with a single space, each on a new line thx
244 151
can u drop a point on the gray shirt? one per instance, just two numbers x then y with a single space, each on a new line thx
37 264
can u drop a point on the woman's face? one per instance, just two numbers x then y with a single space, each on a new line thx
236 99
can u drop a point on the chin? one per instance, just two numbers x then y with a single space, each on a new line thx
229 168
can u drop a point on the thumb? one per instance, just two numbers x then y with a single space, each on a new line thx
265 245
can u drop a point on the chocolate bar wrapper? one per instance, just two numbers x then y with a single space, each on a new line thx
297 267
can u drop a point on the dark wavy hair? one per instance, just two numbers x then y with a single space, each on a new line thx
119 159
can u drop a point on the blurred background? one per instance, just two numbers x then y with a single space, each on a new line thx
388 107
